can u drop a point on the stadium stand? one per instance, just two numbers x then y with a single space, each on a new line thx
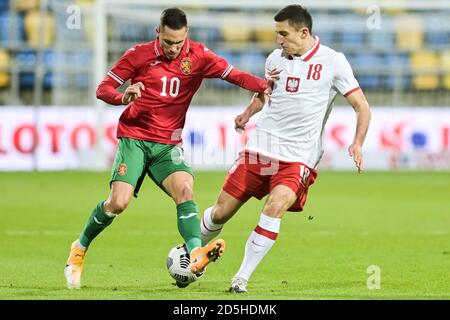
231 32
409 31
35 24
445 67
407 54
265 35
26 5
4 64
425 63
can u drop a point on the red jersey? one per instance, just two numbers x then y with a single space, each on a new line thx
160 113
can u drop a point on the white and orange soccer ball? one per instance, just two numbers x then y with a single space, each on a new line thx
178 266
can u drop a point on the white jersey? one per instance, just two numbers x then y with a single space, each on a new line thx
291 125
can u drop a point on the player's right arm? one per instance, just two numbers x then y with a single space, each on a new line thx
258 101
117 76
346 83
359 103
215 66
255 106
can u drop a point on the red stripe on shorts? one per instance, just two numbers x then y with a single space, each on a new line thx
266 233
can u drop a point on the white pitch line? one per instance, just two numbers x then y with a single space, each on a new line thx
59 233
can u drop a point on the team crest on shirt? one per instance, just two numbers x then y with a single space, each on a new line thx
292 84
122 169
186 65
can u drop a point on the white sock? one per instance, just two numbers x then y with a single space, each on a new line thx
110 214
258 244
208 228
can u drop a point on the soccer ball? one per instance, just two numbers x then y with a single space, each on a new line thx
178 263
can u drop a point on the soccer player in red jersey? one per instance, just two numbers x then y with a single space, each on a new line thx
165 74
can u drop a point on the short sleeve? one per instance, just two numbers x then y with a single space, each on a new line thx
215 66
344 80
269 65
124 67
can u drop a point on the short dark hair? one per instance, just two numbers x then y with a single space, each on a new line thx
296 15
174 18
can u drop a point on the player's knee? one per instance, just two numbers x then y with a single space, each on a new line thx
117 206
184 194
276 208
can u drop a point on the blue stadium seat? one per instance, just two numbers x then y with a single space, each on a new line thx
48 80
4 5
252 61
60 80
353 31
327 38
207 35
82 81
352 39
152 33
26 80
49 58
369 81
81 58
323 27
364 66
370 61
396 63
384 37
26 58
232 59
73 68
380 39
129 31
437 34
7 35
439 39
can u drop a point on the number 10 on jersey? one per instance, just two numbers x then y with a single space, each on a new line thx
174 86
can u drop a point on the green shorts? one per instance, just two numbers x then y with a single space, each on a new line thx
136 158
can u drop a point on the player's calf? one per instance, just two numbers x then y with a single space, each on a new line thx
208 228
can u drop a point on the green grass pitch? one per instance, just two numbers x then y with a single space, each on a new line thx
398 221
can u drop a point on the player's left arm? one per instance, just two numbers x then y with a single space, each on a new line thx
217 67
359 103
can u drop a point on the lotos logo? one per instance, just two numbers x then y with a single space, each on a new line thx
292 84
392 138
403 136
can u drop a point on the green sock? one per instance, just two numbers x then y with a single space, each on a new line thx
189 224
98 221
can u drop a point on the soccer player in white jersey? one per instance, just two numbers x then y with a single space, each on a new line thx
283 151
